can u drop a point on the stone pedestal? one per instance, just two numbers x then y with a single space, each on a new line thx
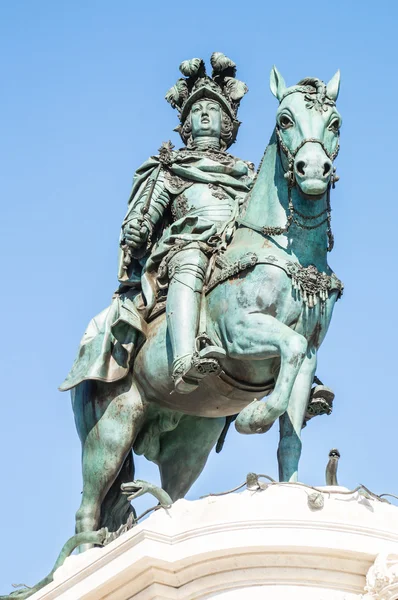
282 542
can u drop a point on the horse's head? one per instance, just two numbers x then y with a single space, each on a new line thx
307 128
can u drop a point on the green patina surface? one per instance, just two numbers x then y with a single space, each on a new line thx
225 294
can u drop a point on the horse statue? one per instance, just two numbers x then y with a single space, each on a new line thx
269 304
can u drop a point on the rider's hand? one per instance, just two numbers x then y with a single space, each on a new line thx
135 233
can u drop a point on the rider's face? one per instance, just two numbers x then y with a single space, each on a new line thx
206 119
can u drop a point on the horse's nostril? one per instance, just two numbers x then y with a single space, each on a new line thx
327 168
300 166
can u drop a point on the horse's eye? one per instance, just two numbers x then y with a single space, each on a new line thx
335 125
285 122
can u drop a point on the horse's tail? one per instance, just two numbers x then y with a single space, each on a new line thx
223 434
115 508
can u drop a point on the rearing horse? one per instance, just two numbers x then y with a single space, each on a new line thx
269 305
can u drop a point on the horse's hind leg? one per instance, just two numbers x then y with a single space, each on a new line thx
108 417
291 422
184 452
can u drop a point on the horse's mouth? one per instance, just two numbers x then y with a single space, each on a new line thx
313 189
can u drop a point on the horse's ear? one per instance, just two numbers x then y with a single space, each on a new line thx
277 83
333 86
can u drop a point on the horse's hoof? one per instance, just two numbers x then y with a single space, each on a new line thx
252 419
322 391
320 402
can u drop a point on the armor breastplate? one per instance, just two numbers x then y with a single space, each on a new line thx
209 201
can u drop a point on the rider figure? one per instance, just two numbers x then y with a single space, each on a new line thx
187 200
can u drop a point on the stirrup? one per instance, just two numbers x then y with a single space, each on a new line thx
202 363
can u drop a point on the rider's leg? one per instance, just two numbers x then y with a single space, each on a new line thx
291 422
108 417
187 270
184 452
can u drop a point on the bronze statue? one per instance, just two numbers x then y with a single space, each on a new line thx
237 262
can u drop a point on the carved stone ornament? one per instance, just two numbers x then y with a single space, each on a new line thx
316 501
382 579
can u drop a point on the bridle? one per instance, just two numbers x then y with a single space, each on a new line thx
291 182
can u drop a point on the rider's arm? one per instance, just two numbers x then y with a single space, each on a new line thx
145 213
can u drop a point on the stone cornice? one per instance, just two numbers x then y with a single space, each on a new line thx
240 543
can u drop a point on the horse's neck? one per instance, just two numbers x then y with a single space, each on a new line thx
268 205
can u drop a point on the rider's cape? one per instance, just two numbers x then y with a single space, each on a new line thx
110 341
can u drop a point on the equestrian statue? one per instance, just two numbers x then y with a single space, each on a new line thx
225 295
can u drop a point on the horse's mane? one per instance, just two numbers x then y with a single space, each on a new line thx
318 86
314 82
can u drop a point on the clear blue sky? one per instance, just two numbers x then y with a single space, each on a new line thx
81 108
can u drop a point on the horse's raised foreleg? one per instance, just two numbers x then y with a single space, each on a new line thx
108 417
262 336
291 422
184 452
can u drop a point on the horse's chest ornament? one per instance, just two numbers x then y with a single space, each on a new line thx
312 284
308 281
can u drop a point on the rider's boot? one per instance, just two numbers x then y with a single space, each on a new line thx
190 363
